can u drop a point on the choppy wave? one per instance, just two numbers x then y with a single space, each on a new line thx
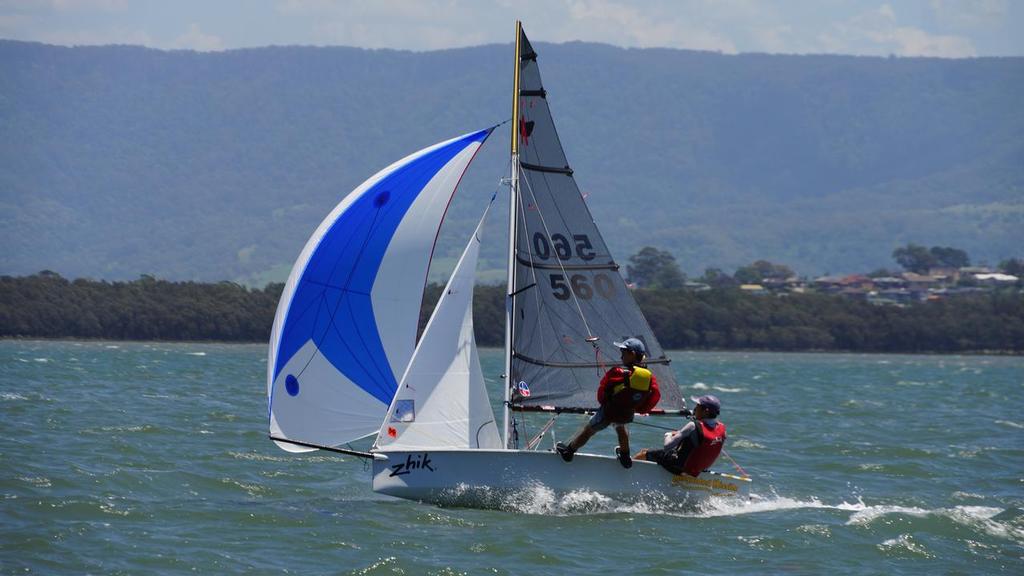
904 544
1010 423
744 443
540 500
980 518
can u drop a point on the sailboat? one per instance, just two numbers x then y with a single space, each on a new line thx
344 363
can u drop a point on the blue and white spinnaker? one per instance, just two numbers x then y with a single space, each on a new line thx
345 327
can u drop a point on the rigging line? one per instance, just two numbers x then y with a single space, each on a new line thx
550 318
734 463
658 426
590 334
565 275
301 371
538 302
368 455
540 435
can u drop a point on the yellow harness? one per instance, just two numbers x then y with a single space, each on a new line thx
639 380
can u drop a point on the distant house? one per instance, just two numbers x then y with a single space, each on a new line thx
996 279
945 275
854 285
919 285
753 289
828 284
781 285
696 286
857 283
889 283
892 296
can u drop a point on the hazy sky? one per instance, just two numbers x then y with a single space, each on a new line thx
948 28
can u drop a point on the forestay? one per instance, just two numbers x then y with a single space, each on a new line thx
442 400
569 301
345 327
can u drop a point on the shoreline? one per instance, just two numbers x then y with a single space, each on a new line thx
992 353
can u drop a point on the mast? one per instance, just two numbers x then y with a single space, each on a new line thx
513 202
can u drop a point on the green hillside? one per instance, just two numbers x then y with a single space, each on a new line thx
117 161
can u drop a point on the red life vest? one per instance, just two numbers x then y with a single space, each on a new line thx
626 389
706 452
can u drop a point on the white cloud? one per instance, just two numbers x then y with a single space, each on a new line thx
916 42
878 32
424 25
876 27
625 24
196 39
93 37
971 14
85 5
773 39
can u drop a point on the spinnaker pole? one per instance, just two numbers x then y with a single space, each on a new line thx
513 212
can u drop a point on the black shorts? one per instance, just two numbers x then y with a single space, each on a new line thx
667 459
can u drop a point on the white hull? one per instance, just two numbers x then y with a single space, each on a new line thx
498 478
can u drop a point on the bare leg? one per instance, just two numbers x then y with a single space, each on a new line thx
581 438
641 455
623 434
622 451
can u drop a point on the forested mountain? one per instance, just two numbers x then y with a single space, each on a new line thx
117 161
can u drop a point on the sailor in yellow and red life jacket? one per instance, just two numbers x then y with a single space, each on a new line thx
624 391
693 448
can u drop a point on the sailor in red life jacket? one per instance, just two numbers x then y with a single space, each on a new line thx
624 391
694 447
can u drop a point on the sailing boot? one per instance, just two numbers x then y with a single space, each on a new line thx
622 450
623 456
564 451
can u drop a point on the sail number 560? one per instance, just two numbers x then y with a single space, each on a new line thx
578 285
563 248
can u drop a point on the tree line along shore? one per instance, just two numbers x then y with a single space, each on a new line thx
46 305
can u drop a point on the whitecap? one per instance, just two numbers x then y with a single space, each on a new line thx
728 390
977 517
715 507
699 386
905 542
41 360
966 495
744 443
195 353
863 515
12 396
1010 423
815 529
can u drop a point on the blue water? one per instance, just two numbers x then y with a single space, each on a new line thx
133 458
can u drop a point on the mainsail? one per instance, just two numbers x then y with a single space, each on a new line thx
345 327
569 302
